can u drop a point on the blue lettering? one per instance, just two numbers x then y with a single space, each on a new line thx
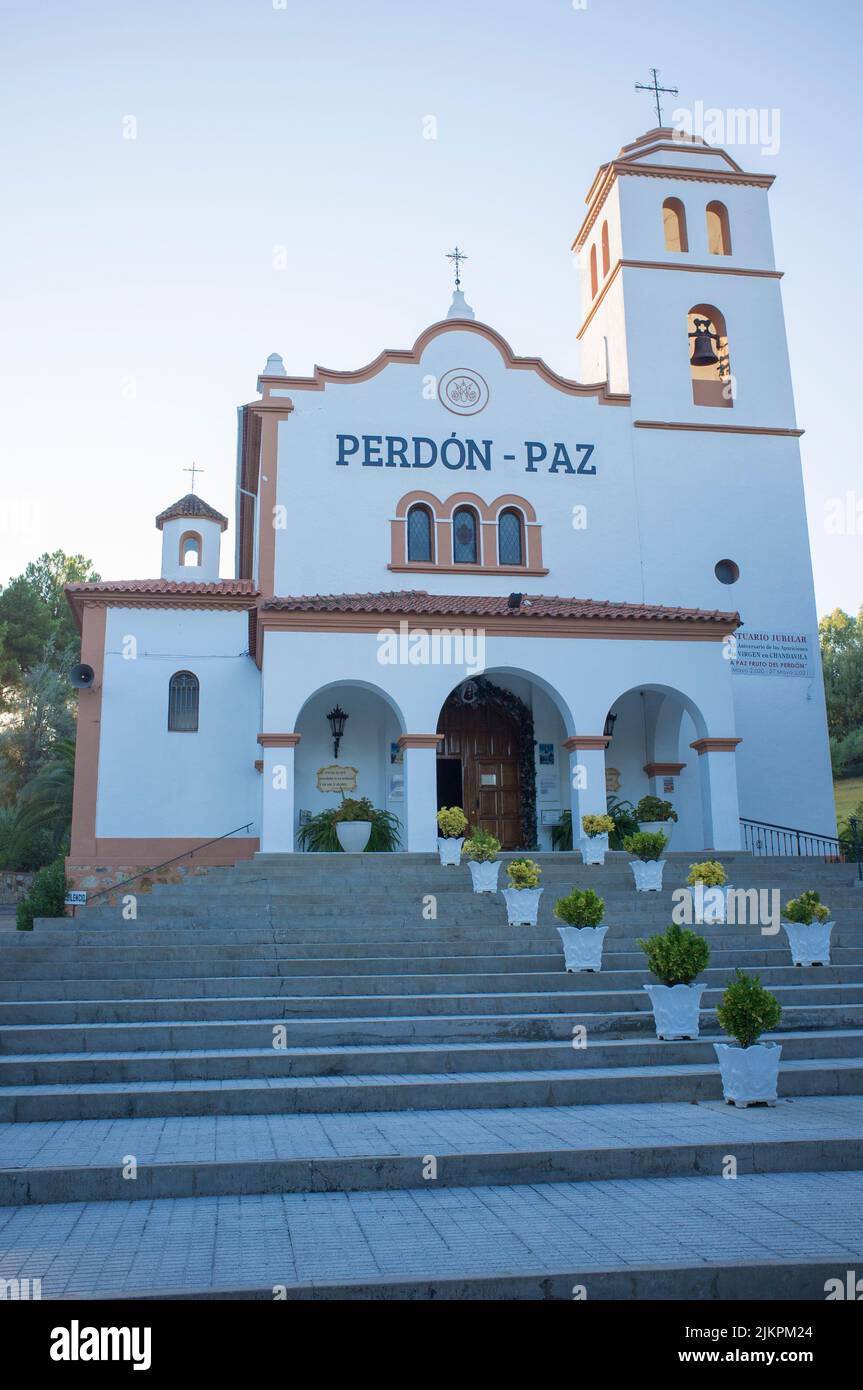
343 450
582 463
561 457
418 440
474 452
535 454
394 453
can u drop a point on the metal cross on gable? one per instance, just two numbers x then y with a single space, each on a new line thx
193 470
655 88
456 257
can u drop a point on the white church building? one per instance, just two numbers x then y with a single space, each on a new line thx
510 591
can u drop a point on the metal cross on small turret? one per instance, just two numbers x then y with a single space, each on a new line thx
655 88
193 470
456 257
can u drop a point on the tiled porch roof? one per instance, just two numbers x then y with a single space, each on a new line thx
418 601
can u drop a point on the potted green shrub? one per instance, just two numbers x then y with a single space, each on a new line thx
353 821
710 895
582 910
481 851
676 956
647 862
595 840
523 894
750 1069
656 816
806 922
451 824
319 833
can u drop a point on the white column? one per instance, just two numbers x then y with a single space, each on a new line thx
420 755
719 802
277 793
586 778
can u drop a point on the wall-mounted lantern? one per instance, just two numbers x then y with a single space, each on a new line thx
336 718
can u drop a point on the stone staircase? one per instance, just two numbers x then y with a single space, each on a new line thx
290 1075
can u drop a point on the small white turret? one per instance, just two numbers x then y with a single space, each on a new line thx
191 538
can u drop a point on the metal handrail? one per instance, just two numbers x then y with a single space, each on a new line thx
765 837
188 854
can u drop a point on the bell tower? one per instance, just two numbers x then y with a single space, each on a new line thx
680 295
191 540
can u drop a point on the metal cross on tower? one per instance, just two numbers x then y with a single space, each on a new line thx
655 88
456 257
193 470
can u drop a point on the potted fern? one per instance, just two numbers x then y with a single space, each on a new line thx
647 862
806 922
675 957
749 1068
481 852
523 894
656 816
710 895
451 824
595 841
320 833
582 936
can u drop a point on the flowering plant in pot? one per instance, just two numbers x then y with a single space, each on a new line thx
710 896
451 824
750 1070
647 862
481 851
655 815
676 956
806 922
582 910
523 894
595 842
353 821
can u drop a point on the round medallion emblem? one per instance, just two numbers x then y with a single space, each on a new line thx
463 391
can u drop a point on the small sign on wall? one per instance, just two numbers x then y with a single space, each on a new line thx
77 897
668 784
546 755
337 778
612 779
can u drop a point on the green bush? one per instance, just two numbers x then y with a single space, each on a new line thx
646 844
652 808
709 872
354 808
675 956
46 897
482 847
806 909
451 822
523 873
580 908
597 825
561 834
747 1009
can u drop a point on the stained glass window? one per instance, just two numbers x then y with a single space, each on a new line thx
509 545
419 534
464 550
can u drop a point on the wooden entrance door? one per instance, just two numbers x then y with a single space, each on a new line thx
486 739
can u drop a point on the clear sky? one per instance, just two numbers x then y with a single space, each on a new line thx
280 195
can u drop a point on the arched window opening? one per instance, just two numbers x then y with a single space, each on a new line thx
464 537
510 543
420 535
190 549
183 693
718 230
710 358
606 255
594 277
674 225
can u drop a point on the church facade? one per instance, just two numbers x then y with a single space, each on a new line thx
501 588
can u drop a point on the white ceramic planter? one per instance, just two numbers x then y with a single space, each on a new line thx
710 904
750 1075
353 835
810 945
582 947
450 850
658 827
522 906
676 1009
484 875
594 848
647 874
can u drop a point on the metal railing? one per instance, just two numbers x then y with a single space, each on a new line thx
762 838
188 854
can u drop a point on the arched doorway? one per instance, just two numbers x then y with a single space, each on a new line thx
486 761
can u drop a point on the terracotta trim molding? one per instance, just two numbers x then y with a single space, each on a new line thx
83 836
721 429
666 265
266 504
499 625
421 567
79 603
586 741
325 376
715 745
279 740
664 769
489 516
420 740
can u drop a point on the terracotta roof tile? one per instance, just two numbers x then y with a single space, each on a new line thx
468 605
225 587
191 506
